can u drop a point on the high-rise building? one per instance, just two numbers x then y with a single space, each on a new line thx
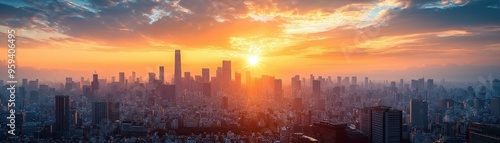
63 115
365 124
121 79
99 112
69 84
418 113
25 82
205 74
296 85
95 82
495 106
316 88
178 71
113 111
366 81
152 77
278 89
386 125
161 78
430 84
354 80
226 72
133 77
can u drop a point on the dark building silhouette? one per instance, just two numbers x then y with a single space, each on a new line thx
177 71
316 88
99 112
226 73
63 116
418 113
482 133
95 83
205 74
161 78
121 79
327 132
386 125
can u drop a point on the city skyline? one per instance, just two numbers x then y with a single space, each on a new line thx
383 39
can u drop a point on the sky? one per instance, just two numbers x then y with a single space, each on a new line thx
456 40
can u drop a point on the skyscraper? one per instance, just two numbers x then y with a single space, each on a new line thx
205 74
178 71
95 83
278 89
495 106
316 88
354 80
496 87
418 113
226 73
121 79
161 78
386 125
99 112
63 115
430 84
133 77
152 77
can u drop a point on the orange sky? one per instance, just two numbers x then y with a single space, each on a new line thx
288 37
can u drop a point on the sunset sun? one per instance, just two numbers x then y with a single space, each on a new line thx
253 60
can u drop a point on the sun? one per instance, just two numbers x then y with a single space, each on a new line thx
253 60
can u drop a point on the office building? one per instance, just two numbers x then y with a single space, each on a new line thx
161 77
63 116
205 74
418 113
386 125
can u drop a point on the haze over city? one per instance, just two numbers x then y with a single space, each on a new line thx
250 71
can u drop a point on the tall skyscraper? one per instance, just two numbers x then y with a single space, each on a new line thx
69 84
63 115
278 89
386 125
418 113
430 84
205 74
95 82
296 85
161 78
113 111
99 112
495 106
316 88
152 78
121 79
133 77
178 71
226 72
